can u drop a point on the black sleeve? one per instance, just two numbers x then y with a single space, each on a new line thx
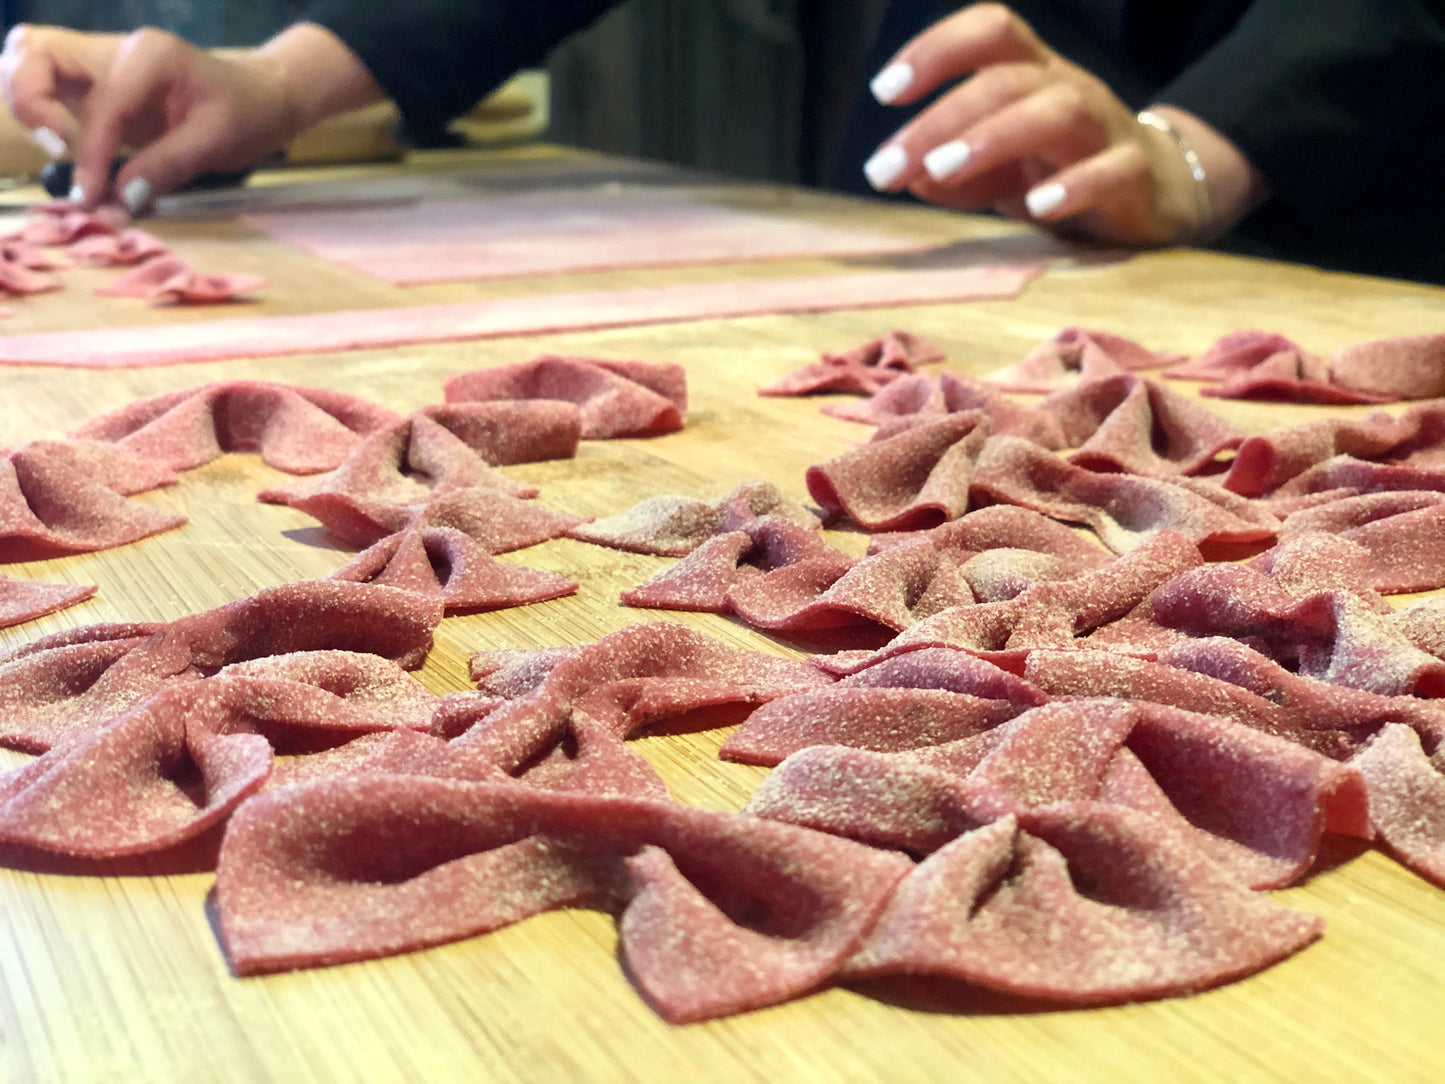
437 58
1340 104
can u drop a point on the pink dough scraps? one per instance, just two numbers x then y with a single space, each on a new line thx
409 862
1233 355
119 791
617 398
1259 805
403 465
1334 635
1004 526
354 692
1315 561
1264 463
1138 864
1108 674
1001 908
122 789
495 520
19 280
954 671
393 752
512 672
703 578
25 600
76 681
1347 476
1122 509
863 370
504 432
1050 614
1407 797
917 479
444 562
172 279
1405 367
1423 624
886 720
60 497
913 400
1260 364
1076 354
1354 714
673 526
118 250
61 222
1290 376
23 254
569 731
421 473
1137 426
1400 532
327 332
629 679
916 801
298 430
895 589
904 583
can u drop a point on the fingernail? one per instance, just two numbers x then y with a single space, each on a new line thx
1044 199
885 167
891 82
946 158
50 141
77 194
136 195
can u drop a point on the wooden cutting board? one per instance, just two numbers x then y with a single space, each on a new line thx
119 977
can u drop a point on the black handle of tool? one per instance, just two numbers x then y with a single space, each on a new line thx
57 178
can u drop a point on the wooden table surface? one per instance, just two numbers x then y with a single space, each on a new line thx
119 977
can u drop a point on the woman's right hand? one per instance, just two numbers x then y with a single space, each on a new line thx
182 110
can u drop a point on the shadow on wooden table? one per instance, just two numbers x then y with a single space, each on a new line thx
1029 247
195 855
952 997
1335 853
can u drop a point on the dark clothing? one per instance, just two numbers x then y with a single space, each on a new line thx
1340 104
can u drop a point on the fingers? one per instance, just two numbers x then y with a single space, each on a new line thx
166 163
995 189
972 39
1055 123
1089 184
28 80
149 65
899 162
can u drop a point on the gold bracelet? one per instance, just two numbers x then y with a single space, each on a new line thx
1203 208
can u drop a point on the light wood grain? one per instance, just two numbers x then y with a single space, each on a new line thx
120 978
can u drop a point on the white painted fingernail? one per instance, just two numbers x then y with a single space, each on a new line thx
891 82
50 141
77 194
1044 199
136 195
946 159
885 167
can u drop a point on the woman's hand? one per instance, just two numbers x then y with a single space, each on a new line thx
185 110
1037 137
